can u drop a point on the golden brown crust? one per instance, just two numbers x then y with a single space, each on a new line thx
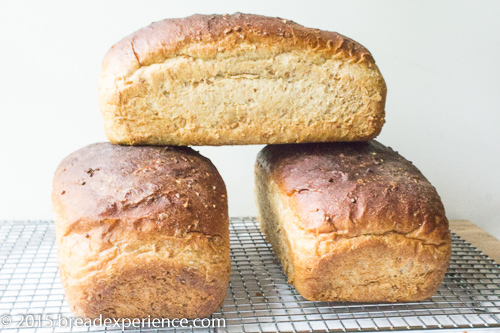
164 39
239 79
126 210
352 222
150 281
388 268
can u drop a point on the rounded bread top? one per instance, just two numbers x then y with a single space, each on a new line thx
173 190
207 36
354 189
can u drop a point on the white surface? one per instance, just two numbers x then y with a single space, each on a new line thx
440 60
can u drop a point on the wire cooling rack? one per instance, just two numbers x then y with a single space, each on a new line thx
259 298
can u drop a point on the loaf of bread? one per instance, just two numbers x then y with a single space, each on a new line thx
142 231
239 79
352 222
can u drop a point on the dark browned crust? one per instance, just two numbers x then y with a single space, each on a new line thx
167 190
355 189
168 37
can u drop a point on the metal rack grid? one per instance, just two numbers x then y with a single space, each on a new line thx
259 298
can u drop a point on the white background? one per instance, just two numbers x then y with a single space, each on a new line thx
440 59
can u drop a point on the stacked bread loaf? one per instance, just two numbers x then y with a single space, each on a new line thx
142 222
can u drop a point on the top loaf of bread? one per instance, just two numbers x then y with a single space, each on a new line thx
239 79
